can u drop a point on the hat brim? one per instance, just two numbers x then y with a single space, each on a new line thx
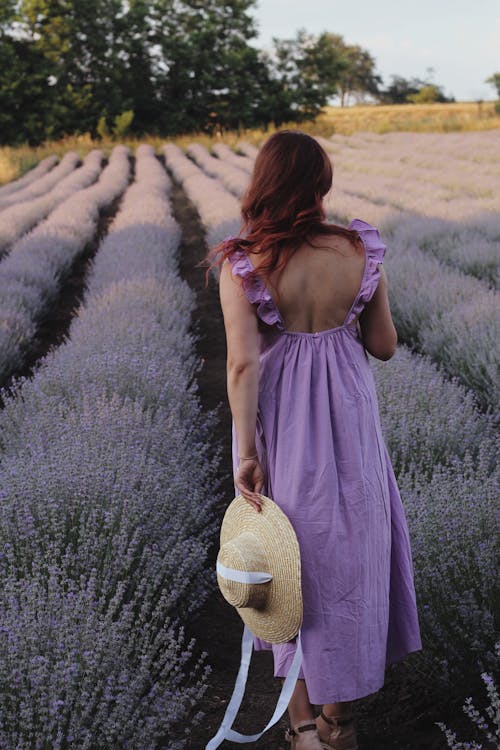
280 619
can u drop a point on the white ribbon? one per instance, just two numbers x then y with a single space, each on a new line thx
225 731
243 576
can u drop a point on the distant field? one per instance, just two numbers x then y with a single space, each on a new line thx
439 118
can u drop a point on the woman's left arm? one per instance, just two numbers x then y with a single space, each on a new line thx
242 336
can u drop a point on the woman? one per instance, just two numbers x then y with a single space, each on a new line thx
302 300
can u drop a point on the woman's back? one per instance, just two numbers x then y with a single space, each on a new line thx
319 284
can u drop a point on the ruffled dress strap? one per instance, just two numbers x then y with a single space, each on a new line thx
255 289
374 252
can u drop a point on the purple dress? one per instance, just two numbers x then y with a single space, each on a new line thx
320 443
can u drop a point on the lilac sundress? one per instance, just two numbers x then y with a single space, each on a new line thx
320 443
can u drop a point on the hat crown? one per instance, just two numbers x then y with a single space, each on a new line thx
258 569
246 554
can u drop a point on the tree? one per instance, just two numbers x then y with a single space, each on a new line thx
79 45
26 111
204 62
402 90
427 94
308 70
358 76
494 80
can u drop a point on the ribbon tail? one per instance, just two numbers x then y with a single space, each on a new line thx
283 700
238 692
225 730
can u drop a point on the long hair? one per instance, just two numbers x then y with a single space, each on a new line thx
283 206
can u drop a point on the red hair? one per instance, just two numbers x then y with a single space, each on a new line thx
283 206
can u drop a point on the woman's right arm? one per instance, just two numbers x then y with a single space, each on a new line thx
377 329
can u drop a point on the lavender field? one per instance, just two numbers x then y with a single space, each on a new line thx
106 451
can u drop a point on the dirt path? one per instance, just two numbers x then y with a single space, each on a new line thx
217 627
392 718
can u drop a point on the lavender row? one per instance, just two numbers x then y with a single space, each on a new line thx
218 209
68 163
30 276
233 178
104 532
18 219
225 153
450 519
429 419
471 247
41 168
450 316
246 149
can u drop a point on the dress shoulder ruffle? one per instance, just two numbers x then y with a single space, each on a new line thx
255 290
375 250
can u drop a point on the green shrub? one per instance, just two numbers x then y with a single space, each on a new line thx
102 127
122 123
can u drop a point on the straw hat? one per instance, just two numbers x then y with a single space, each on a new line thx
264 543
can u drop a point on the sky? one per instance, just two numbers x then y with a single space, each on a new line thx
459 39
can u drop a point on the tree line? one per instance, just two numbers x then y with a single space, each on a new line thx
169 66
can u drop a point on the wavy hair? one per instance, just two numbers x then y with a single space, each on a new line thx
283 206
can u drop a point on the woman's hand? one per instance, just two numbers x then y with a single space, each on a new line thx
249 479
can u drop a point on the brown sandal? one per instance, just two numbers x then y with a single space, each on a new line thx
312 742
342 734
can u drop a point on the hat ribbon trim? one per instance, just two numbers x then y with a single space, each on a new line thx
243 576
225 732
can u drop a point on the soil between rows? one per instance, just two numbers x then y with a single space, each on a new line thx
396 717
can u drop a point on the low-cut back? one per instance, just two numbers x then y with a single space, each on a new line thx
320 443
321 279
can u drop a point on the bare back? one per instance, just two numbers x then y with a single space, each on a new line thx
319 284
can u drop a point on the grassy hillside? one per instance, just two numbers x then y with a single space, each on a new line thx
441 118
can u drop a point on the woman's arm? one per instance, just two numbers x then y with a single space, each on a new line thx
377 329
242 336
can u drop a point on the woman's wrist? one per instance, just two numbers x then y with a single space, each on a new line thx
250 457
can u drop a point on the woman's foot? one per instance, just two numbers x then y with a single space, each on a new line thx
304 736
337 732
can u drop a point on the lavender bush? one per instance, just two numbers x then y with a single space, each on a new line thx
112 508
478 719
41 168
470 248
449 315
233 178
428 419
444 454
450 518
218 209
246 149
226 154
30 277
42 184
19 218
